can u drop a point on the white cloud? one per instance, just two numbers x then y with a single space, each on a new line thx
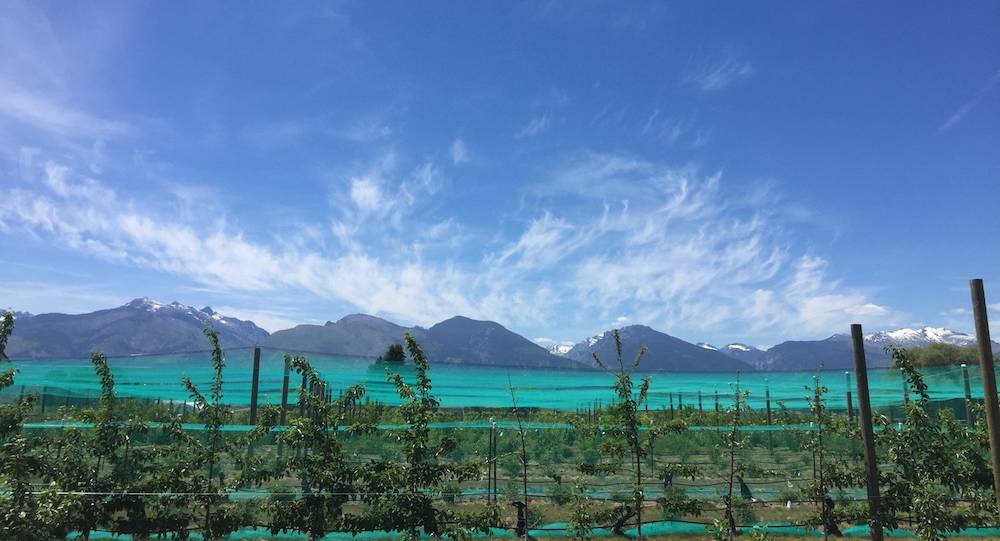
666 246
459 154
968 106
268 320
366 194
534 127
717 72
44 114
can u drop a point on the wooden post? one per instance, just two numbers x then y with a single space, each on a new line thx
284 392
968 394
850 405
767 405
41 401
680 403
493 461
254 385
989 378
671 405
302 403
906 389
700 410
867 433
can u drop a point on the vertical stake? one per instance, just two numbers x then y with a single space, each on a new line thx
700 410
989 378
302 402
671 405
867 433
968 394
767 406
850 405
254 385
284 392
906 388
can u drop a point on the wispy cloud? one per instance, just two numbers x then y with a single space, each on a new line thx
968 106
653 244
44 114
717 72
534 127
459 153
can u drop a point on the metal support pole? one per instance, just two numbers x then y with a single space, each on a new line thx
254 385
867 433
968 394
989 378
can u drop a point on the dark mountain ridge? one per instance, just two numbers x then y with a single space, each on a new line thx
663 352
139 327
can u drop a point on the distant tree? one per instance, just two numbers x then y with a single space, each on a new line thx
941 355
394 354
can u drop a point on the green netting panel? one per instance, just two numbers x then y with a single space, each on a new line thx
560 529
158 377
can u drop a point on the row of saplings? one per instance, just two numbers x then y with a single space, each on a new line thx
934 477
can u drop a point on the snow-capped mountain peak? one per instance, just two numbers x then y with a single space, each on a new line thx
736 346
560 349
920 337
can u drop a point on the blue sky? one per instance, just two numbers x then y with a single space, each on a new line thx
720 171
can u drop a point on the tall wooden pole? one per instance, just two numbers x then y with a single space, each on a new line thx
850 404
284 393
767 405
254 385
989 378
968 394
867 433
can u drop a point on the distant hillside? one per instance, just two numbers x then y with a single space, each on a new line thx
142 326
469 341
663 352
835 352
458 340
356 335
748 354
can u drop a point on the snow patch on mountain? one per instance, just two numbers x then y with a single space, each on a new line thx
707 346
560 349
925 336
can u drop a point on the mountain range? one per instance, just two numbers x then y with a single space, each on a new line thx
145 326
139 327
663 352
